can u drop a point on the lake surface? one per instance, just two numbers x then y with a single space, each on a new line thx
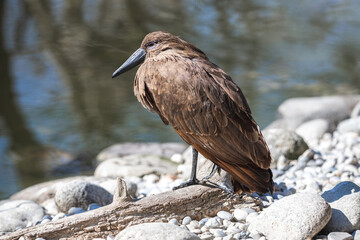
57 57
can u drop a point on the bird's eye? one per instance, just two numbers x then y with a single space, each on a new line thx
151 45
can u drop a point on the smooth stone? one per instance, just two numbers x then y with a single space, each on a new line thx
218 233
123 149
284 142
339 236
356 235
135 165
340 190
299 216
152 231
93 206
313 130
203 221
17 214
174 221
344 200
224 215
349 125
240 214
42 192
75 210
186 220
194 224
332 108
213 223
79 193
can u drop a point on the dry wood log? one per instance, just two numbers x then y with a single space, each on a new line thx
196 201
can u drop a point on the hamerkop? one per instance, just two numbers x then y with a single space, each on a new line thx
205 107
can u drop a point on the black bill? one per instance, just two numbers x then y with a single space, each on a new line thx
135 59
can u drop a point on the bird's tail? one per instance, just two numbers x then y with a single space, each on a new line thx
249 178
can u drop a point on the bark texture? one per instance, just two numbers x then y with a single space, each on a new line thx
195 201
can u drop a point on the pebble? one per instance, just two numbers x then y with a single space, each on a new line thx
224 215
213 223
240 214
203 221
75 210
218 233
174 221
339 236
186 220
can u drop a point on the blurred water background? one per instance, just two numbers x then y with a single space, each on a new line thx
57 57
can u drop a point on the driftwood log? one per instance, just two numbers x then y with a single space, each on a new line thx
196 201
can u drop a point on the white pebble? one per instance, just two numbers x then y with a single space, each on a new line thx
224 215
194 224
218 232
186 220
213 223
251 217
174 221
203 221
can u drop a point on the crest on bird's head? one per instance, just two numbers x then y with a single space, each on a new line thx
156 42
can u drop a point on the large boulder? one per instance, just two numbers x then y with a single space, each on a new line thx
156 231
299 216
135 165
295 111
284 142
41 192
18 214
344 200
349 125
81 194
165 150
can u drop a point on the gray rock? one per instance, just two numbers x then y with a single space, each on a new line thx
18 213
123 149
41 192
340 190
344 200
332 108
186 220
224 215
284 142
311 131
135 165
299 216
349 125
339 236
174 221
156 231
79 193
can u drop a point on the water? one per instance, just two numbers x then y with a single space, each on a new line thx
57 57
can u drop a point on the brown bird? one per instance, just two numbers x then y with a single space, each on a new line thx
205 107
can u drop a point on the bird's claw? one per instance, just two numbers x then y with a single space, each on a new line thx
187 183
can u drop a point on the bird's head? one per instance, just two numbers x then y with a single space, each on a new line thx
156 43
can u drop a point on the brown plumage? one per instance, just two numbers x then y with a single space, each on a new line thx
205 107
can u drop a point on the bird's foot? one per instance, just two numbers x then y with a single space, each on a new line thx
188 183
204 182
223 186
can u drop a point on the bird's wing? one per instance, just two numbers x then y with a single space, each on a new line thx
205 107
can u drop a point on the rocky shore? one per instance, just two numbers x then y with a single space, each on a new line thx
315 145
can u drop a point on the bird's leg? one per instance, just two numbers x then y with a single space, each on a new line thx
193 180
213 170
